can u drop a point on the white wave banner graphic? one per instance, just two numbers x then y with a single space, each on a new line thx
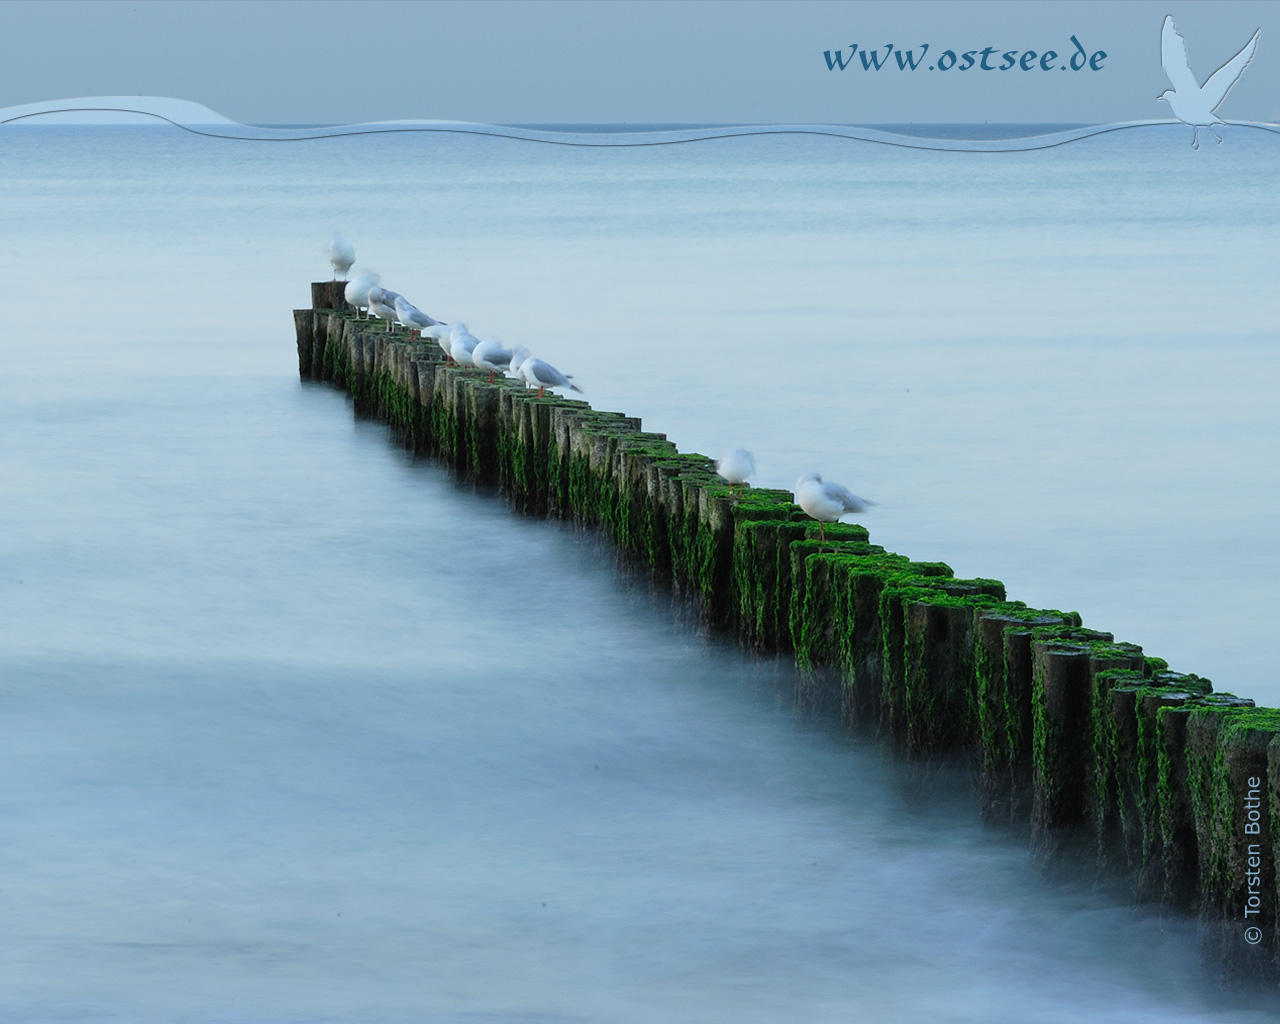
201 120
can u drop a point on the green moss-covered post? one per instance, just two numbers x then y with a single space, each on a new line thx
1151 872
1227 773
857 581
1238 897
1273 815
995 766
1177 820
1019 719
939 682
812 627
1062 683
1002 670
1113 809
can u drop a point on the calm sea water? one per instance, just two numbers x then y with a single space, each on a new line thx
292 727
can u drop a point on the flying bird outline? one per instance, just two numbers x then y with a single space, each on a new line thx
1191 102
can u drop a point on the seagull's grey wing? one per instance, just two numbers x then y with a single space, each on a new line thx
851 502
1220 82
1173 57
419 318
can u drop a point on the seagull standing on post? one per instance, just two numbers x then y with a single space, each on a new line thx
341 255
382 303
491 356
736 465
542 373
411 316
461 344
826 502
1191 102
357 290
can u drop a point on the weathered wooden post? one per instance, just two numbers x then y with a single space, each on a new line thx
329 295
1150 872
1003 681
1228 772
1061 741
302 324
939 682
811 626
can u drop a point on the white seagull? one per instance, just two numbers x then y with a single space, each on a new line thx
411 316
518 356
542 373
491 356
826 502
1191 102
357 290
382 303
341 255
736 465
439 334
461 344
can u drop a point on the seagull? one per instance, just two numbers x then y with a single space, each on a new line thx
518 356
411 316
382 303
537 371
826 502
736 465
440 335
491 356
357 290
1191 102
461 344
341 255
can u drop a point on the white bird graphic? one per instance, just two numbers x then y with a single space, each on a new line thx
1191 102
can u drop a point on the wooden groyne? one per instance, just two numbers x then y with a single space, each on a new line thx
1110 761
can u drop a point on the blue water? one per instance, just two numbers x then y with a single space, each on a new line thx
293 727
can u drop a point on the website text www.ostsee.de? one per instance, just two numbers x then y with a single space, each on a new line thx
988 58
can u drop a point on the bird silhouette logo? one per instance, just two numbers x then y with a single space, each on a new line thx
1191 102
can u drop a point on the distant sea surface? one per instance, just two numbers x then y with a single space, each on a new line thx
295 727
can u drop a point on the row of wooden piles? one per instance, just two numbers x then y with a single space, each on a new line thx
1114 764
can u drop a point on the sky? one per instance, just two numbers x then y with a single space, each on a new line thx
656 62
